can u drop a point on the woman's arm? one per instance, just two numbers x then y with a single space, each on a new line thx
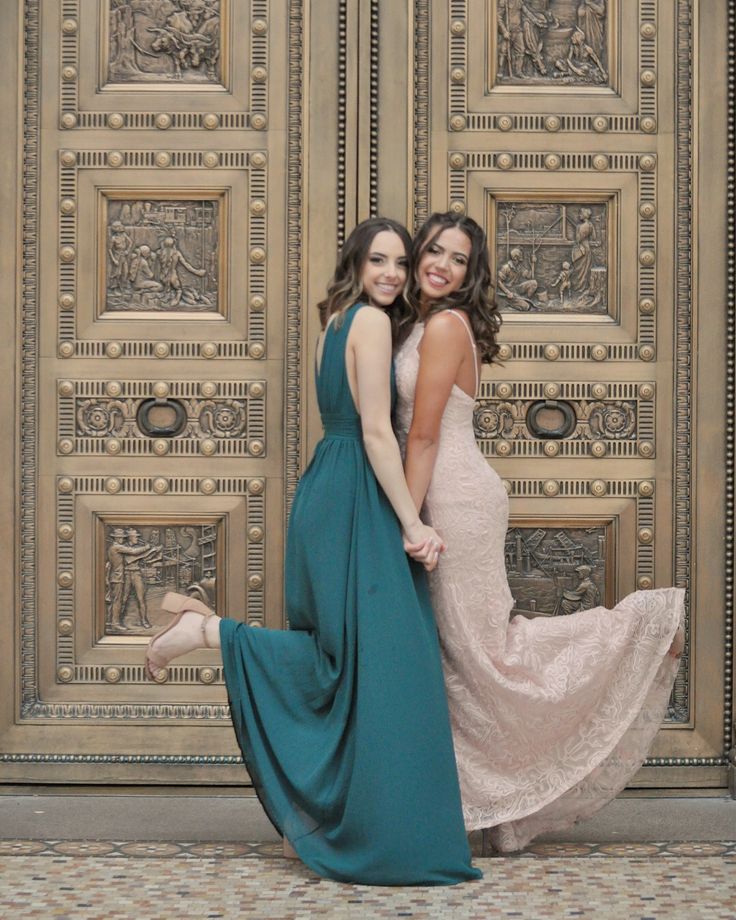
369 341
442 351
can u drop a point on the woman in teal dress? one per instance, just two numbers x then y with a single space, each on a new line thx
342 719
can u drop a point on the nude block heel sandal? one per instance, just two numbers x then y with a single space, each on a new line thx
178 604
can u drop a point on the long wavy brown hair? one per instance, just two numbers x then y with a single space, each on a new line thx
476 295
346 286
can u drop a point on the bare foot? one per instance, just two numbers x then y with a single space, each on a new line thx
289 851
678 644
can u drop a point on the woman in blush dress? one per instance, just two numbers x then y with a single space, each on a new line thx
551 716
342 719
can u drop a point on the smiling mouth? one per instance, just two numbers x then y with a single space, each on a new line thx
436 280
387 288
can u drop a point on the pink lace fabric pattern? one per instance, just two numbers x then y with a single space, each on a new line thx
551 716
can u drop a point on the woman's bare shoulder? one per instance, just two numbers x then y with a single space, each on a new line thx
368 317
443 327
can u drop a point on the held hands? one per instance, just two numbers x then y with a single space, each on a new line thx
424 544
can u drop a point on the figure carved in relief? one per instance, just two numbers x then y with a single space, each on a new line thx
208 50
519 28
516 282
142 276
119 252
212 259
122 39
511 38
582 60
581 255
118 583
584 596
133 577
563 280
533 25
170 258
592 23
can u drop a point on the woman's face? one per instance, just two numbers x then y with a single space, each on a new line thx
443 264
385 269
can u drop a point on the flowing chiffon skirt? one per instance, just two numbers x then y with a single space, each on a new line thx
343 719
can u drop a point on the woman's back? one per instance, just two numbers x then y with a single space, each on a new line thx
333 390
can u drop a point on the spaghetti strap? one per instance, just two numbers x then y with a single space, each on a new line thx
472 345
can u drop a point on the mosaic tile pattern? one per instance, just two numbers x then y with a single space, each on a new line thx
225 850
92 880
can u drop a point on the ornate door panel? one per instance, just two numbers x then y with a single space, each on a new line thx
162 226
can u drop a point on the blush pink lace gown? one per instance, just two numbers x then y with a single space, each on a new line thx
551 717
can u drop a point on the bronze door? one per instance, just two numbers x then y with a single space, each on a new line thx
186 171
162 255
579 133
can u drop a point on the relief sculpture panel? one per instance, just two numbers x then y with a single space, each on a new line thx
559 569
162 255
552 257
166 65
551 42
548 66
564 248
154 41
122 543
148 248
144 560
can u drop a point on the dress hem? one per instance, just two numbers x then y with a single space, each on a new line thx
489 821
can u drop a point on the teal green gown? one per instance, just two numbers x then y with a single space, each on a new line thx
342 719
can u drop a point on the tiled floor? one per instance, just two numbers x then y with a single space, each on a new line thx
115 880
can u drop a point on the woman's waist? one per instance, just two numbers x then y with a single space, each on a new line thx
464 468
340 425
458 445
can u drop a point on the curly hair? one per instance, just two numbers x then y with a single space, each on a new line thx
476 295
346 287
